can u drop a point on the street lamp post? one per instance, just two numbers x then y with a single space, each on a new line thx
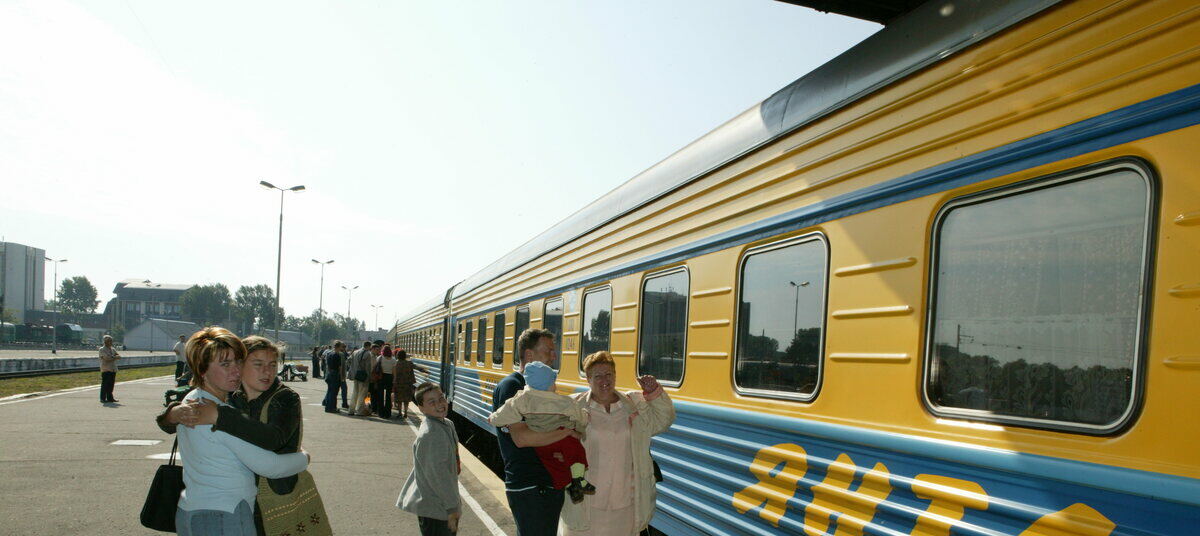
279 253
796 311
349 294
57 297
377 308
321 300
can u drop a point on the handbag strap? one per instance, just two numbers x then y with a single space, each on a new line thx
266 409
174 446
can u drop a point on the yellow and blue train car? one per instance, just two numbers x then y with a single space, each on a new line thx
945 284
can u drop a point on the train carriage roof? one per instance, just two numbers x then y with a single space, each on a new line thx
881 11
911 40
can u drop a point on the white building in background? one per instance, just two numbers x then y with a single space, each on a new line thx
22 279
158 334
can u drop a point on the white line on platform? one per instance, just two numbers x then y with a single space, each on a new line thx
483 516
48 394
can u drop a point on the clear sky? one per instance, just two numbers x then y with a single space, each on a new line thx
433 137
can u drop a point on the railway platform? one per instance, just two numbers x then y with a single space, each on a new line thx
70 465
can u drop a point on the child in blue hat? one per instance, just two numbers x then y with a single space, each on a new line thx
544 410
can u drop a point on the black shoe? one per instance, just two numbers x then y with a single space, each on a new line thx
575 492
114 400
584 486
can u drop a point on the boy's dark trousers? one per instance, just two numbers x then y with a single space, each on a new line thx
434 527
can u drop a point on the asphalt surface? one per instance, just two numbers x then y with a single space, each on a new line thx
60 473
45 354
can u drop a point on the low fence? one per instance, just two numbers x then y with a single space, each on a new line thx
38 366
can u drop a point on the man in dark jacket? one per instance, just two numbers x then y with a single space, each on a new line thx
534 502
333 375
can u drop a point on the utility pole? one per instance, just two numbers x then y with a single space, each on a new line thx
321 300
57 298
349 294
279 251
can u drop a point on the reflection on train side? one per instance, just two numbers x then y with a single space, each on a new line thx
948 498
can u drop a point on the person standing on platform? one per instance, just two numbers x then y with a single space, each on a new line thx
108 370
387 365
403 381
431 491
316 362
180 358
620 429
333 375
360 370
534 502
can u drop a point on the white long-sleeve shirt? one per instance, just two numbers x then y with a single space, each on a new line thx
219 469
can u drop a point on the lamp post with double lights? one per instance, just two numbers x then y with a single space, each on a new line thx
321 299
796 311
57 305
279 253
349 294
377 308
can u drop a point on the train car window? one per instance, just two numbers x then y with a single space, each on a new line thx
498 340
467 344
1038 300
480 354
664 326
521 324
552 319
597 323
781 319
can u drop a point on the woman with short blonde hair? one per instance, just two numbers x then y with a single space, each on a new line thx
210 344
219 468
618 452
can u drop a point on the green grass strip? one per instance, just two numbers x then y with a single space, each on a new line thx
53 382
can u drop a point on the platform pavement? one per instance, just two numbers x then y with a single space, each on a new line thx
59 473
44 353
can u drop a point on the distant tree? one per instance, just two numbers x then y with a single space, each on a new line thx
7 315
206 304
118 333
350 328
600 327
254 307
77 295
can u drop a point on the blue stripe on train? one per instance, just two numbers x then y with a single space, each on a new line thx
468 400
707 454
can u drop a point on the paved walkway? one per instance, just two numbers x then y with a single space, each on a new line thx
61 474
45 354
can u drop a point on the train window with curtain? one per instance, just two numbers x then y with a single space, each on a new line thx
781 319
498 340
480 355
552 319
596 327
1038 300
521 324
467 344
663 326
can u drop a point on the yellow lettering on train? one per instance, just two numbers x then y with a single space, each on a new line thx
772 491
833 496
948 498
1076 520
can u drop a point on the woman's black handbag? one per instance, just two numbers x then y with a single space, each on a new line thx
158 512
